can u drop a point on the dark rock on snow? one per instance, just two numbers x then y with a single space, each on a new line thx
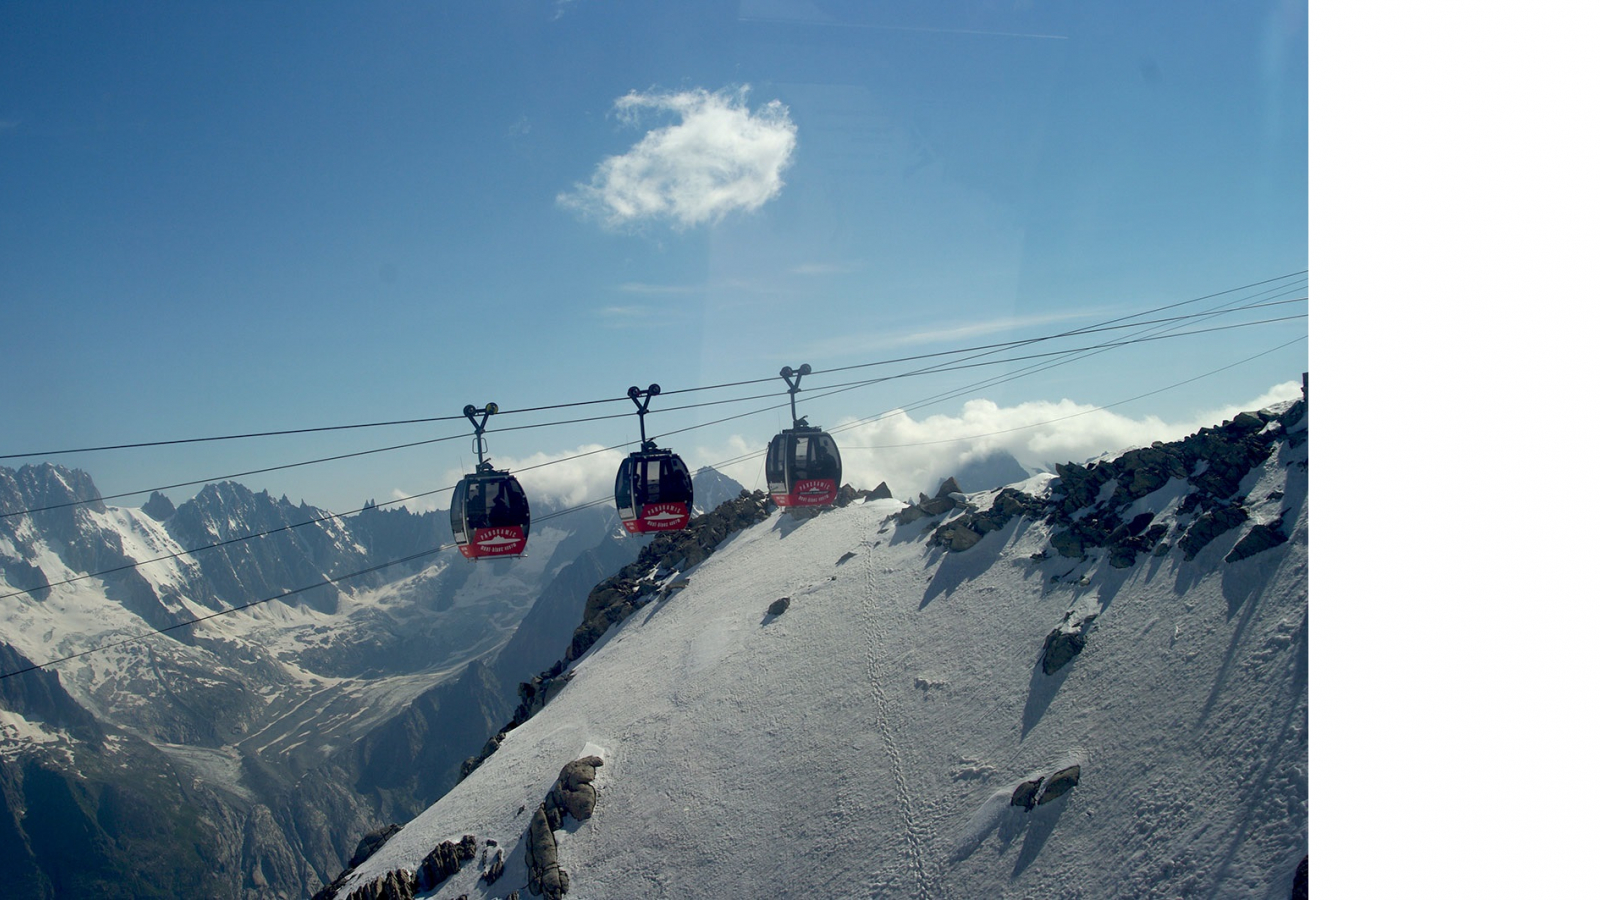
397 885
497 867
1089 503
445 860
1064 643
1040 791
1259 538
371 843
158 507
574 792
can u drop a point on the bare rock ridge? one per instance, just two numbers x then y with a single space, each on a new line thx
1089 505
573 795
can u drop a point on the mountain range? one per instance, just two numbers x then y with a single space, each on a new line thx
344 694
769 704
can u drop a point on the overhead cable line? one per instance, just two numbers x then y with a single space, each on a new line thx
571 509
1087 352
1082 412
834 389
168 487
429 419
1101 326
991 348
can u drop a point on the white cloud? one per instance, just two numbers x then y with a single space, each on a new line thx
567 478
913 455
581 475
748 472
720 157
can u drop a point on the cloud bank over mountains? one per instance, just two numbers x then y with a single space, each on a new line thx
912 454
907 453
721 156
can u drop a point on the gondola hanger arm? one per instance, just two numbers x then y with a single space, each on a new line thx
480 419
791 377
634 393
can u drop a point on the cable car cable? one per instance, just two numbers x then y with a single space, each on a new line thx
589 504
563 422
1082 412
414 421
168 487
832 390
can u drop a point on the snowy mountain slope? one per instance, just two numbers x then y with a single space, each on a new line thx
868 741
379 640
255 701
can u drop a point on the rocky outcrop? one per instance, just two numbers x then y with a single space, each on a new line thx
397 885
442 861
1259 538
964 532
445 860
372 842
497 867
1040 791
1210 526
1089 505
158 507
1065 642
544 874
574 793
946 498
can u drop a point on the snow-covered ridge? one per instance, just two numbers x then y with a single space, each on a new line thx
868 739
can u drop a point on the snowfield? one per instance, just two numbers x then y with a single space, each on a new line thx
867 741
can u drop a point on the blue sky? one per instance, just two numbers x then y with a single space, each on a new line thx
220 218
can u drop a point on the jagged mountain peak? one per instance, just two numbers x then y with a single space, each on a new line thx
712 488
49 483
158 507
